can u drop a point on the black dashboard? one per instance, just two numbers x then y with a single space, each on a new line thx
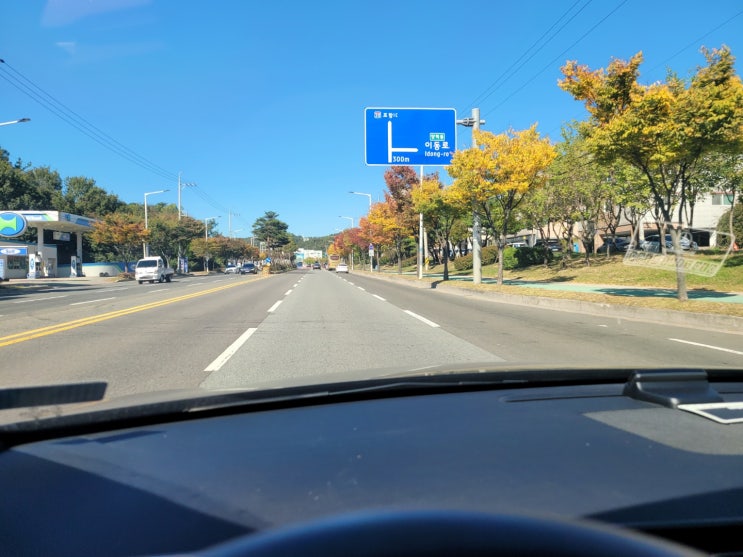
579 451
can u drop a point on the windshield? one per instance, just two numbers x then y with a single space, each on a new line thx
398 189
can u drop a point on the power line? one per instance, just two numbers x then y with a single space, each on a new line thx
692 44
696 42
558 57
66 114
506 75
63 112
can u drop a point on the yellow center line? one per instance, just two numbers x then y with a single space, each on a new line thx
60 327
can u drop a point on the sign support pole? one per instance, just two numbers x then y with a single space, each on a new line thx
420 236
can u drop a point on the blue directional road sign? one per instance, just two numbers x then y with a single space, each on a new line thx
409 136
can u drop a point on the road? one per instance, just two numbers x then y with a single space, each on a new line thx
232 331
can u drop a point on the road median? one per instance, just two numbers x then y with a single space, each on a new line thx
694 313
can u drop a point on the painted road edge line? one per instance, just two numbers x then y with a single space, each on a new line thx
421 318
720 348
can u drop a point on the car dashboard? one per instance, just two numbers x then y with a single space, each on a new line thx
605 451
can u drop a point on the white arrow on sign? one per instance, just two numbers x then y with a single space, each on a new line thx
391 149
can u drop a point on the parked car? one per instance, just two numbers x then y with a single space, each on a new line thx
553 245
248 269
231 269
652 242
614 245
341 268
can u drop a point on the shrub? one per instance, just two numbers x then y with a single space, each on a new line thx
510 259
463 262
533 256
489 255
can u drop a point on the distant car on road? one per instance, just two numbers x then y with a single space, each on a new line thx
153 269
248 269
316 265
341 268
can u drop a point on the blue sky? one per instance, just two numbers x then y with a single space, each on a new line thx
261 104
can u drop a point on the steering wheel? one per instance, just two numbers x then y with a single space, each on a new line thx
444 534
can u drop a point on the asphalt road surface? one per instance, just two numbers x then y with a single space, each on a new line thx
232 331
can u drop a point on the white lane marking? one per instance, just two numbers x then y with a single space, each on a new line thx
296 284
227 354
288 292
421 318
603 325
361 288
38 299
93 301
273 307
349 282
379 297
721 349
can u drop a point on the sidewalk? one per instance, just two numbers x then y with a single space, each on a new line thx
57 281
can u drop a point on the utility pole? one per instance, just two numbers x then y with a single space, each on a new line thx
474 123
181 185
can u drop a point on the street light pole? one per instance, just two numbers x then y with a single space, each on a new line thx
366 194
351 219
371 257
19 121
145 246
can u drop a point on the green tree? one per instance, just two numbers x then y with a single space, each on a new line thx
81 196
726 173
16 192
441 211
271 230
47 184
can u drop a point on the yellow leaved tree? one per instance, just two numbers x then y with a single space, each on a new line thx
495 177
664 130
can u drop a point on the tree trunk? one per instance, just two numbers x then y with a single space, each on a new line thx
501 243
682 294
